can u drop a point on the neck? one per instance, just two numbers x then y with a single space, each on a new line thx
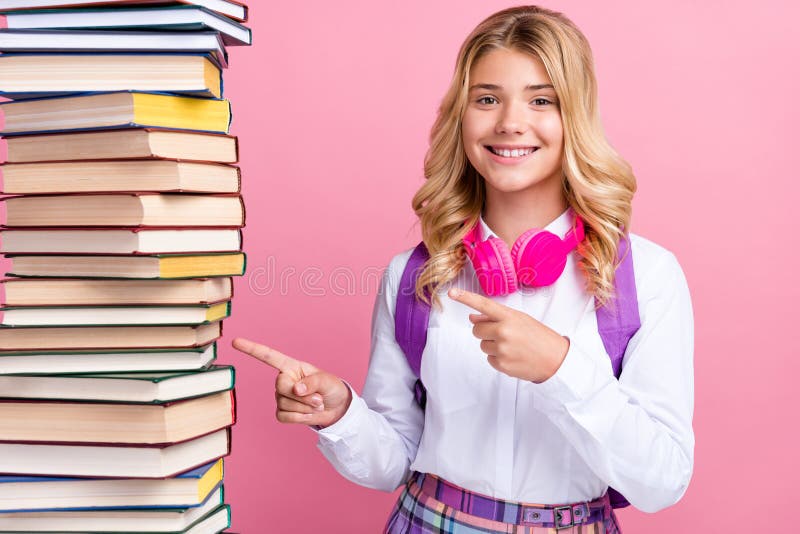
511 214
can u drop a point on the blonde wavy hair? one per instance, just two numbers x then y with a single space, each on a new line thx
598 184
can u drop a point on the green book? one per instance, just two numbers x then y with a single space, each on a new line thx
120 387
61 362
133 522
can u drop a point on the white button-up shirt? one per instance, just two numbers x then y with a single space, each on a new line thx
566 439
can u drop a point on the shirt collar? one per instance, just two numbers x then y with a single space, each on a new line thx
559 226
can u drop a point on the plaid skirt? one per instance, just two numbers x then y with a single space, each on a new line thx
430 505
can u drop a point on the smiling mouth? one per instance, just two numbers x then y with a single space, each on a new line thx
513 153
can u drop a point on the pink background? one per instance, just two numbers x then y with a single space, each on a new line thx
333 106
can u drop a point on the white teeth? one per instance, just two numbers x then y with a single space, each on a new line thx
515 153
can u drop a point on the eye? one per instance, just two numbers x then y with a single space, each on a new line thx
541 101
482 99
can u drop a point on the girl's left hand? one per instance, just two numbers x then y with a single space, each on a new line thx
515 343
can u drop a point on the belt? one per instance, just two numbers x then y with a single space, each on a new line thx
518 513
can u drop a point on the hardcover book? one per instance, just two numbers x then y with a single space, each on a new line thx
109 315
180 17
153 266
69 291
112 461
208 518
115 423
99 41
106 361
154 175
39 75
230 8
185 490
107 337
129 209
128 143
140 240
89 111
143 387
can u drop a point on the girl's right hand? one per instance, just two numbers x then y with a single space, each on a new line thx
304 394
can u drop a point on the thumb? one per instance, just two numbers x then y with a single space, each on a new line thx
322 383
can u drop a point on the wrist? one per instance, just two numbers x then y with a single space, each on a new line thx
337 412
559 353
344 406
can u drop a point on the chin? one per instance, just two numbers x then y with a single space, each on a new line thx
513 184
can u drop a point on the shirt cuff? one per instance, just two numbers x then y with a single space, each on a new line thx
339 429
578 378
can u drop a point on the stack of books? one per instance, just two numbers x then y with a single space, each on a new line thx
123 229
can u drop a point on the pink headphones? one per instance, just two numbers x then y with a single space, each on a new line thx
537 258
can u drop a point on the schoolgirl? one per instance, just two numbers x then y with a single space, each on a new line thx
554 381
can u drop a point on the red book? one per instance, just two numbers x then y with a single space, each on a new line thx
102 423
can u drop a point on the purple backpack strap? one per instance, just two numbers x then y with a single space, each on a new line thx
617 322
411 318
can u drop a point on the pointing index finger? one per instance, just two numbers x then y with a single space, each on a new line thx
477 302
270 356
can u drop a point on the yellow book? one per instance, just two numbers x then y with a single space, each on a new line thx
145 266
115 110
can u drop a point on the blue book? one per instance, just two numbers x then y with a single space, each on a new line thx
187 490
169 18
166 520
233 9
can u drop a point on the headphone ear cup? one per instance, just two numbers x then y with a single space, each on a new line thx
507 276
539 257
494 267
526 273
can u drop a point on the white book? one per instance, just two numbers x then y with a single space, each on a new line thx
37 41
108 361
119 387
233 9
181 17
104 292
112 461
155 520
25 494
122 241
125 210
114 315
36 338
208 518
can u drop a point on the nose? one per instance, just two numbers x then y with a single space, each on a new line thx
512 118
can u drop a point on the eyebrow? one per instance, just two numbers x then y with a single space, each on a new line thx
493 87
